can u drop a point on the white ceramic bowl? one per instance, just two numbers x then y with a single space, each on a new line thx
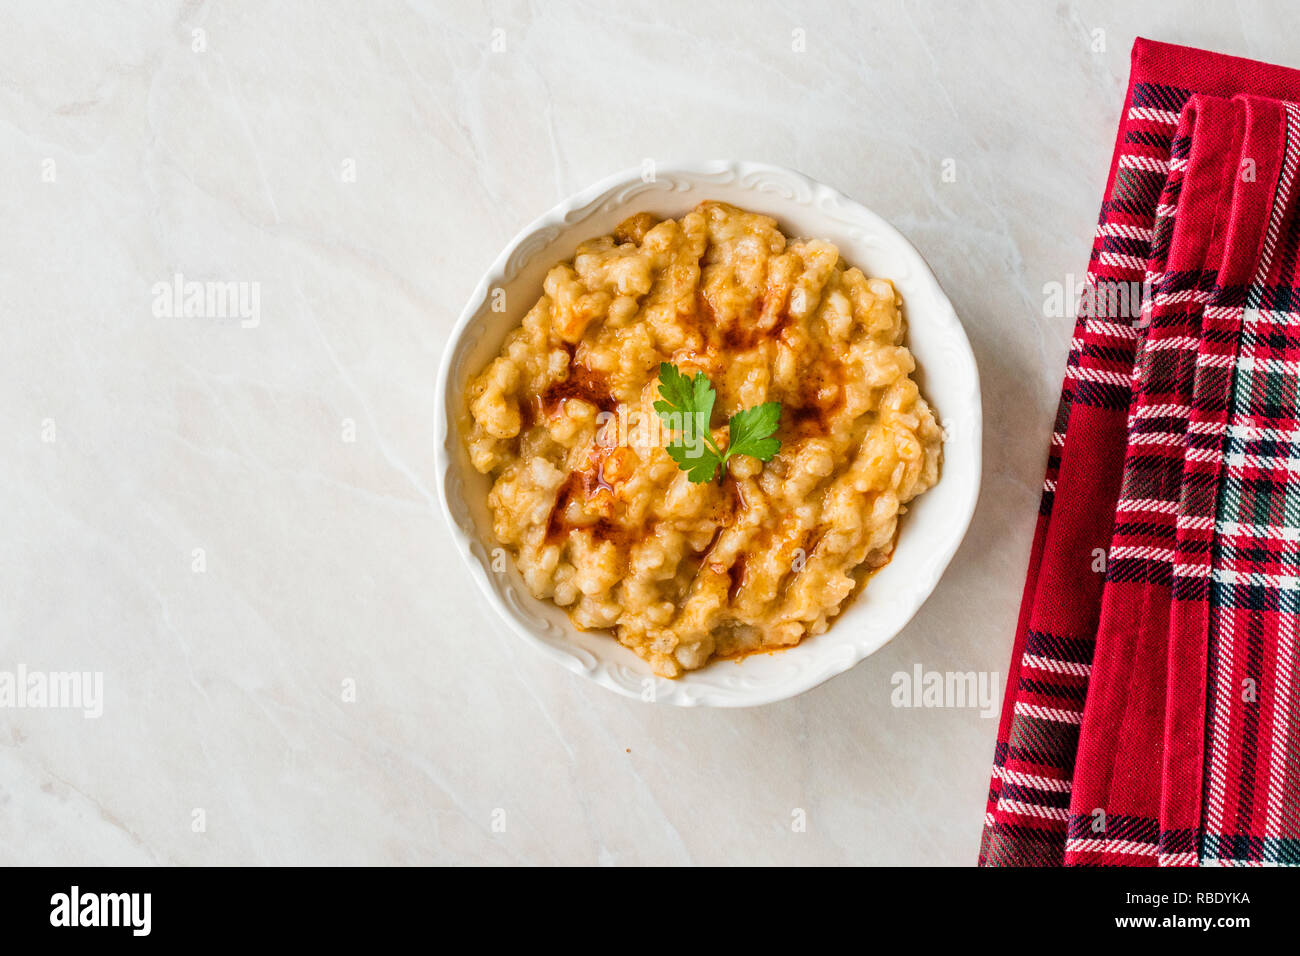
930 533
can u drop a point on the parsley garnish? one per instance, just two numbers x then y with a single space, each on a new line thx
687 407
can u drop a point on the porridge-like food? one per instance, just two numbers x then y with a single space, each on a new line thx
601 518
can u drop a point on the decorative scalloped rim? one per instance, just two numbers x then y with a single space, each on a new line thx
545 627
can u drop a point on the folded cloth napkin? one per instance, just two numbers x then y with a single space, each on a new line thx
1152 713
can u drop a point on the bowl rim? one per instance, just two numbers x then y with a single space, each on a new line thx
495 275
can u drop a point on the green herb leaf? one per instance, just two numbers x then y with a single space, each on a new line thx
700 464
751 431
687 407
685 397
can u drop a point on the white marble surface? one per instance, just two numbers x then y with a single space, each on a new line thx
128 156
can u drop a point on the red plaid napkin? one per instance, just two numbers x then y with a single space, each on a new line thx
1152 713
